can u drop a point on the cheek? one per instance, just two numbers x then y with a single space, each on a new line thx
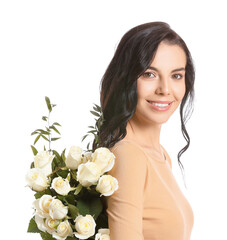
144 89
180 91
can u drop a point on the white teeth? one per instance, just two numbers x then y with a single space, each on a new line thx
159 104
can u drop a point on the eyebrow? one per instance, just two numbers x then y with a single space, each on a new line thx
175 70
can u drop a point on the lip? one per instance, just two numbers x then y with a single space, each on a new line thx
160 109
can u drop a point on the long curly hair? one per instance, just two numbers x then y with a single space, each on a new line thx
132 57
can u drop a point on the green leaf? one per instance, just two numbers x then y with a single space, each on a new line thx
62 198
71 238
96 138
84 137
63 155
102 116
78 189
70 199
55 129
102 221
46 236
41 193
83 207
32 165
39 129
57 154
88 145
45 132
48 130
95 108
34 150
90 126
44 118
58 161
55 123
32 227
34 133
68 177
92 206
54 139
98 107
36 139
42 131
74 174
74 211
96 207
63 173
92 131
98 124
45 137
95 113
48 104
61 162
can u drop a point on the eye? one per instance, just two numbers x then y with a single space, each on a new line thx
177 76
148 75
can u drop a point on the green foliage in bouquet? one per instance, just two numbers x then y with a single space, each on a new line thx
97 112
70 191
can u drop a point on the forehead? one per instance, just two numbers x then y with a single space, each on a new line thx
168 57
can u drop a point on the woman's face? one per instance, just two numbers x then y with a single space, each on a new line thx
163 82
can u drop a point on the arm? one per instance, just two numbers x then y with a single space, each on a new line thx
125 206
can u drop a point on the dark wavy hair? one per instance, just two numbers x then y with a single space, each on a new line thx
132 57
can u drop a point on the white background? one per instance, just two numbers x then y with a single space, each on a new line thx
61 49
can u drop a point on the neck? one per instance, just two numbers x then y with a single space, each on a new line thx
145 134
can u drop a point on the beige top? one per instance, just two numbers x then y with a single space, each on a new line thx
148 204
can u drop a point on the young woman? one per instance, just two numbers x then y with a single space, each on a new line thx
150 75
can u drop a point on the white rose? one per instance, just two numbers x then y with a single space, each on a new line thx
37 180
57 210
88 173
63 230
74 157
40 223
42 205
51 225
43 160
107 185
104 158
87 156
103 234
61 186
85 226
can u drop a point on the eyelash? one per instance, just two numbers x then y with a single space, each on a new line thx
147 74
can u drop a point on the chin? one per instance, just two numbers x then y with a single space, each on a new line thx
160 122
157 120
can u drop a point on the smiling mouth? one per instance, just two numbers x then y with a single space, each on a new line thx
159 104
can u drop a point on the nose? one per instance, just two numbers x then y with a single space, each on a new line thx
163 87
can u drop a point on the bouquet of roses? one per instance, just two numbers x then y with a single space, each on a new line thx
70 191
